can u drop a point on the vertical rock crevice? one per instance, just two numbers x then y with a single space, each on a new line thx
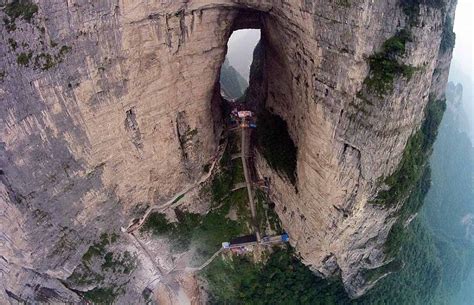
131 126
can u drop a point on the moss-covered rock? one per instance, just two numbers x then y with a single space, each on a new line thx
385 66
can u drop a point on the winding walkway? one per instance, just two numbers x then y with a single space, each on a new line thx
174 201
194 269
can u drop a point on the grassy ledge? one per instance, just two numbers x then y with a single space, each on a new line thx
96 267
25 9
385 66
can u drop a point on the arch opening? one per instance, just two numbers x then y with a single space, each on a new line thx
235 71
243 85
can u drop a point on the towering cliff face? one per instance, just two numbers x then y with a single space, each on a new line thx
109 105
350 136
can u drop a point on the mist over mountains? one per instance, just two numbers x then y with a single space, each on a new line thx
459 74
240 49
233 85
449 204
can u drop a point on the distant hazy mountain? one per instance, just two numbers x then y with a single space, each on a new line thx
240 49
449 209
460 74
233 85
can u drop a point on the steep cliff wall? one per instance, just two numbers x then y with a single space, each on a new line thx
350 136
108 105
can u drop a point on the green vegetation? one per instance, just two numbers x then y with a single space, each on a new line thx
96 262
231 172
412 277
178 198
210 230
397 233
276 145
45 61
411 181
435 264
98 248
12 43
25 9
372 275
206 168
435 257
415 157
157 224
64 50
24 58
2 75
344 3
385 67
450 200
122 262
449 37
267 218
282 279
101 295
207 232
420 276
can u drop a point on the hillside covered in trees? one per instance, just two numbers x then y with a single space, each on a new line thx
437 248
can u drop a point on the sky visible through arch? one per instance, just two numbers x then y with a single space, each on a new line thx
240 50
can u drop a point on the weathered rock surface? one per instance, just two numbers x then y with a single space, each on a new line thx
128 114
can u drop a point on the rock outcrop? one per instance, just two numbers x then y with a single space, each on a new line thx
107 106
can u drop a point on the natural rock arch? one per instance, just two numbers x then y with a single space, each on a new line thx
129 115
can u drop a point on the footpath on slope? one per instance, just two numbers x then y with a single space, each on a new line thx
174 202
245 149
245 127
